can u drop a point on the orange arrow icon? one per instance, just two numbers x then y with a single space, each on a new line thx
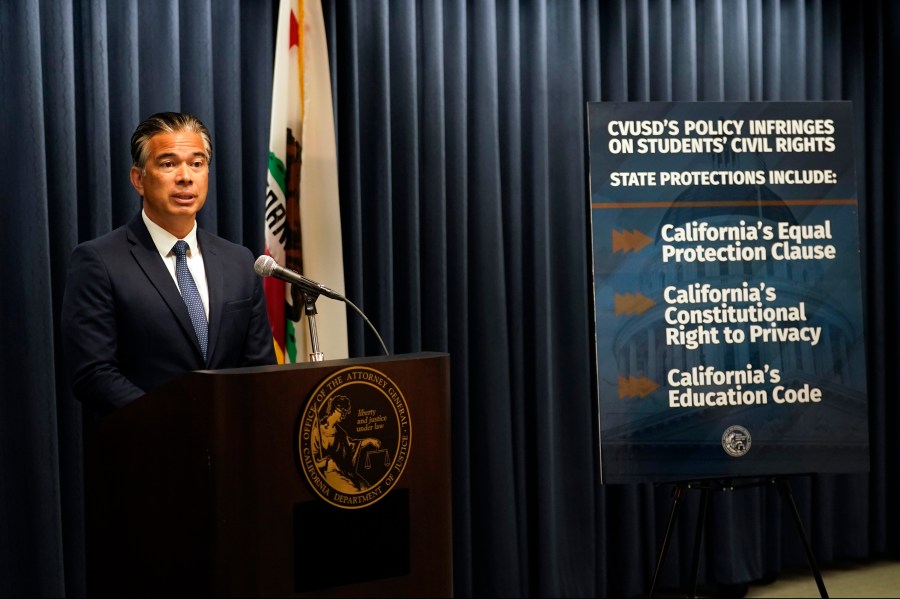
625 241
632 303
636 386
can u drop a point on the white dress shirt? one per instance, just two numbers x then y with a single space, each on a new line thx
164 241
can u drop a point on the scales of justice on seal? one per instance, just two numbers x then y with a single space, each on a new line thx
730 347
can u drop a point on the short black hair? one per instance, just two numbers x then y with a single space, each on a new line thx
166 122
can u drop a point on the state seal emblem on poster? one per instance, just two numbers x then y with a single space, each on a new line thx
736 441
354 437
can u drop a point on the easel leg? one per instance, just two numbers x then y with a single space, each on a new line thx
698 539
678 495
785 490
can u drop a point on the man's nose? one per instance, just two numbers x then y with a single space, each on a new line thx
183 173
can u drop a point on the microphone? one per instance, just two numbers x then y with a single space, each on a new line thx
266 266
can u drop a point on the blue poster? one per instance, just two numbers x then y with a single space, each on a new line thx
729 326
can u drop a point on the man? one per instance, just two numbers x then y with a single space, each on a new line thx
126 328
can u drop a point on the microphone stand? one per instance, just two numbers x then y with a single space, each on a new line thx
309 300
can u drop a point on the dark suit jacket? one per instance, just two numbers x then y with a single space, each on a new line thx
126 329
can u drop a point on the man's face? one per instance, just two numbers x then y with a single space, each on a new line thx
175 180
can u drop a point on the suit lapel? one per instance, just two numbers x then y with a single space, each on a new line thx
147 257
215 273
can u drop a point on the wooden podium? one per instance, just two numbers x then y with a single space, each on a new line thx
201 488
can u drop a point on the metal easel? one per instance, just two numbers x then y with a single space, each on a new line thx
705 486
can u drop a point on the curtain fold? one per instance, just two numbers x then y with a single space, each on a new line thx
530 516
77 78
463 173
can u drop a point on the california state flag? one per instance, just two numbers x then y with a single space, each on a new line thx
303 225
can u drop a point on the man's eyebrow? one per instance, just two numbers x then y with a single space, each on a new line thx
174 155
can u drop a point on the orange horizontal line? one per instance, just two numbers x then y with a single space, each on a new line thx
724 203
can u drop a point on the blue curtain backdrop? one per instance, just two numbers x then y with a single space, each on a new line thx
463 178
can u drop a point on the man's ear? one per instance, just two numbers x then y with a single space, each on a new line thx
137 180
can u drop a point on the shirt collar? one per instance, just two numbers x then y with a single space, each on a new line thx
163 240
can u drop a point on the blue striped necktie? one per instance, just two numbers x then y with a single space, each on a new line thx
190 294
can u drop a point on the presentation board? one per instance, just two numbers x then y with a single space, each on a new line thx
729 326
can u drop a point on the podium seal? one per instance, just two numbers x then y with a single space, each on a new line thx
354 437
